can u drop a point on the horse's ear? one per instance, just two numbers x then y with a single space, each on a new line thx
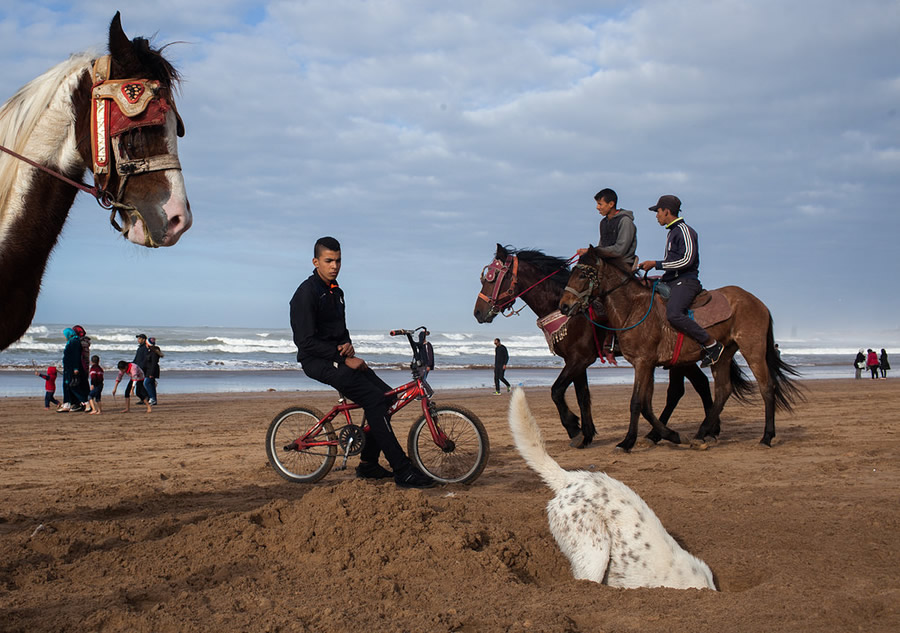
501 252
119 44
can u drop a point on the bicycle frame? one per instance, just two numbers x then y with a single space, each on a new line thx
416 389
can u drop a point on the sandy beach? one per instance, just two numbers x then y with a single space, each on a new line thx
174 522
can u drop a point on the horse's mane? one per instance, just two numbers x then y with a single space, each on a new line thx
546 264
20 115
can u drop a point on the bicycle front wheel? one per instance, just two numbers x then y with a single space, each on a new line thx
461 462
307 465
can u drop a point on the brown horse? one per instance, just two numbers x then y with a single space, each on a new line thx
114 115
539 280
647 341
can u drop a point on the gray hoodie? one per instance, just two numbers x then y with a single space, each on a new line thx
618 236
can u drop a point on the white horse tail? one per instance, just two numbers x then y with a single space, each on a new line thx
530 442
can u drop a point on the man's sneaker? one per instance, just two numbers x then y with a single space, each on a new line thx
713 354
368 470
78 407
496 393
412 477
508 389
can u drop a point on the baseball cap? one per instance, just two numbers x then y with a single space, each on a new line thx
141 336
668 201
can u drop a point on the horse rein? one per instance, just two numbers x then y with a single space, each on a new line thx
138 105
593 280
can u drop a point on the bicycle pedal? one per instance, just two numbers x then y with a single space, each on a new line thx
341 467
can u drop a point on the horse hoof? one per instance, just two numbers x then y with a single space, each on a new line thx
700 445
767 442
675 439
711 439
625 446
577 441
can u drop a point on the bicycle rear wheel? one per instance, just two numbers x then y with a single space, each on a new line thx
300 466
461 463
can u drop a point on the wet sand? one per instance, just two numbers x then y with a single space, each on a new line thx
174 521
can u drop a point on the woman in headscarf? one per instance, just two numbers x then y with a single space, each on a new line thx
74 377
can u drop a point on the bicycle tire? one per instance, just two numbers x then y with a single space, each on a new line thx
465 463
308 466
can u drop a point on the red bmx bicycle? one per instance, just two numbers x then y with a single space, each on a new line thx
449 443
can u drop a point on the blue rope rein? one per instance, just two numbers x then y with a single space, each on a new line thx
622 329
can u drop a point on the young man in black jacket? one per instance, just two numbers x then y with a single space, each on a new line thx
682 273
326 353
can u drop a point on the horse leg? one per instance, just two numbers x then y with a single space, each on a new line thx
722 375
700 383
673 395
641 404
558 394
583 394
764 379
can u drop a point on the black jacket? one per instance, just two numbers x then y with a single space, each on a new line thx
682 252
151 365
318 321
140 357
501 356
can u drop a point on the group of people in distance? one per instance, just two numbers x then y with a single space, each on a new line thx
871 361
142 372
83 375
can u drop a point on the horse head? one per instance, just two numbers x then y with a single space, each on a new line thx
498 283
134 141
583 285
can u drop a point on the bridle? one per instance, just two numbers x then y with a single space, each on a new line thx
494 273
118 106
501 302
583 299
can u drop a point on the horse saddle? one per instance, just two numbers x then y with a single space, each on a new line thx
709 307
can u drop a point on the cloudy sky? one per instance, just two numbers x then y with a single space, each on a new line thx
420 134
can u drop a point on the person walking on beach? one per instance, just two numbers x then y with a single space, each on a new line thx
151 370
682 273
859 364
872 362
884 363
501 358
50 386
618 235
325 352
135 375
96 376
426 352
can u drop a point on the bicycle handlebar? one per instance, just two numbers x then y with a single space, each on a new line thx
417 361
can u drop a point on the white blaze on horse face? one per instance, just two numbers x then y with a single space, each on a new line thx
175 212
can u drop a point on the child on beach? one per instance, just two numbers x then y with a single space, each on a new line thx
136 375
49 386
96 376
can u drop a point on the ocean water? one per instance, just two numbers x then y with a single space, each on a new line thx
215 359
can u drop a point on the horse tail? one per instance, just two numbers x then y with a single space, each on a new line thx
743 389
787 391
530 442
